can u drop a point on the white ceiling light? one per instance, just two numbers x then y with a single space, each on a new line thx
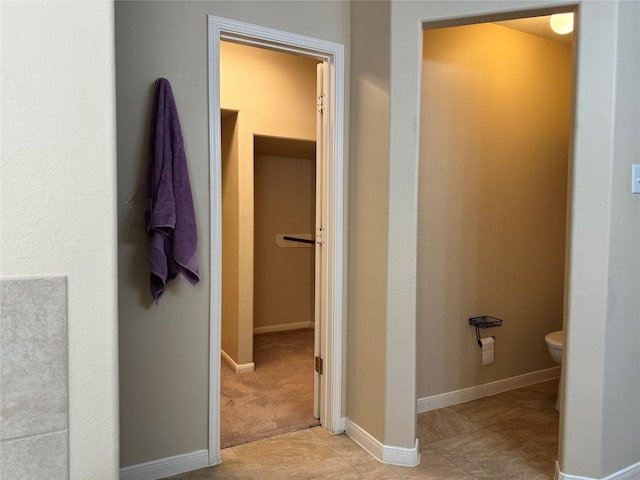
562 23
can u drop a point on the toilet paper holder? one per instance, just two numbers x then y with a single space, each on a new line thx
484 322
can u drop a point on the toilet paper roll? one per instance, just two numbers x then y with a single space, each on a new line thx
487 350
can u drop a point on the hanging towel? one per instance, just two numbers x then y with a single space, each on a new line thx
169 216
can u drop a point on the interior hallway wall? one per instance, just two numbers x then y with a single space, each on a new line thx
275 95
368 217
494 150
164 349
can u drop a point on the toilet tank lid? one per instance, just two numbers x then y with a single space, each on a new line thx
555 338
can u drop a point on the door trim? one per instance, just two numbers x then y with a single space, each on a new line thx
332 321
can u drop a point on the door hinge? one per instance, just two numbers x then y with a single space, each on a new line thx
320 236
320 103
319 365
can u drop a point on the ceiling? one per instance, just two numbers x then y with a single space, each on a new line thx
536 26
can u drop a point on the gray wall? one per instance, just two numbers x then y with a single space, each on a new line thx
164 349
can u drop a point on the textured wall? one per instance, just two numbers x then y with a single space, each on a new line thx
58 197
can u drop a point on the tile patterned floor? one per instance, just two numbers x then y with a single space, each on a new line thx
512 435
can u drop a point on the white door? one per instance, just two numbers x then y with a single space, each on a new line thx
320 270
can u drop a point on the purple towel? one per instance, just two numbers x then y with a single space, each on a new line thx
169 215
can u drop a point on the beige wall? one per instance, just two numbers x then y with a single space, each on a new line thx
164 349
58 198
230 231
284 204
494 147
275 95
368 222
600 198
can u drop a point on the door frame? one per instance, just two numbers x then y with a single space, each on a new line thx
331 322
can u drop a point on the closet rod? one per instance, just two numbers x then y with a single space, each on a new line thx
296 239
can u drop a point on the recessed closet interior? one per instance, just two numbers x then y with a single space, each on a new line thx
268 114
269 127
284 203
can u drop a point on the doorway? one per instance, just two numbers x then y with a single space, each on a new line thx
328 235
269 129
268 247
496 134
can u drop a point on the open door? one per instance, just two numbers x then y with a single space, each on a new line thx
320 270
328 302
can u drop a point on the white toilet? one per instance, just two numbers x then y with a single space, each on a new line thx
554 344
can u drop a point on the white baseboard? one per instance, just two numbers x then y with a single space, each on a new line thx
282 327
632 472
166 467
243 368
403 457
443 400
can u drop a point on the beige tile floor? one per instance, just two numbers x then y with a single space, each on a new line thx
512 435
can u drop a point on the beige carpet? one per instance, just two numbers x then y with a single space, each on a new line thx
277 398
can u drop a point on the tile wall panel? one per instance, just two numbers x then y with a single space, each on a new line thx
33 378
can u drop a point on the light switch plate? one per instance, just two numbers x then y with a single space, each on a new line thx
635 178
